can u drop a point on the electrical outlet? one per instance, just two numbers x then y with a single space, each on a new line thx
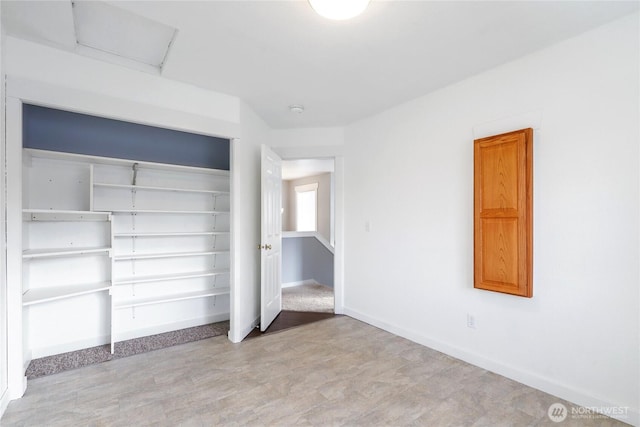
471 321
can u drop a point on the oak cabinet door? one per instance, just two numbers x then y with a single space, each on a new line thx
503 223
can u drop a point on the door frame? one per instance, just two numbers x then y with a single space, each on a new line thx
4 334
19 91
335 153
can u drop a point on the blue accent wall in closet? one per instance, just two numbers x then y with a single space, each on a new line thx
58 130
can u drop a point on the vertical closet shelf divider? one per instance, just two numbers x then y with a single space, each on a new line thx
165 207
140 201
64 229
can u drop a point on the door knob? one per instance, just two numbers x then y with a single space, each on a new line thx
267 246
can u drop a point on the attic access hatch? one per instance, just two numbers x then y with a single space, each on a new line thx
115 35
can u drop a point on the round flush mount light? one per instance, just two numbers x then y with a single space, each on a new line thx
339 9
296 108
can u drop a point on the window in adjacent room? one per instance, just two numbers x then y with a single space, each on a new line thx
306 207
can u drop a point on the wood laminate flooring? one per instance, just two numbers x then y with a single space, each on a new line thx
335 372
290 319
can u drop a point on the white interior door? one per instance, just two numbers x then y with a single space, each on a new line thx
4 356
271 238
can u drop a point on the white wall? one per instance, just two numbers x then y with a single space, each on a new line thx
306 137
412 273
61 68
245 187
286 213
307 143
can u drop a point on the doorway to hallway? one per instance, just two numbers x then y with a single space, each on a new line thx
308 235
329 243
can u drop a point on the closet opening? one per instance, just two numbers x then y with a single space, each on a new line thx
124 238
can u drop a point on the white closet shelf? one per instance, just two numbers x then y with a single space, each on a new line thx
165 277
52 293
63 215
157 211
166 255
59 252
137 302
173 234
58 155
154 188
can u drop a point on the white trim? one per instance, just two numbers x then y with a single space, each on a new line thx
245 331
4 402
335 152
332 207
79 101
126 335
13 183
300 283
45 94
338 257
168 327
235 307
36 353
4 338
545 384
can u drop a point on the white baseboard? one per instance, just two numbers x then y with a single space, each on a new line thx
167 327
300 283
27 358
531 379
242 334
4 402
37 353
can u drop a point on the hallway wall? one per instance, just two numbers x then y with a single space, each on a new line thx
306 258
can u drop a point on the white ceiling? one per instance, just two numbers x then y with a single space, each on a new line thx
276 53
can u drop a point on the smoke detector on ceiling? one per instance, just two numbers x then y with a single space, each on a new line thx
296 108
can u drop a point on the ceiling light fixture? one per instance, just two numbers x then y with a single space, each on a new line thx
298 109
339 9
